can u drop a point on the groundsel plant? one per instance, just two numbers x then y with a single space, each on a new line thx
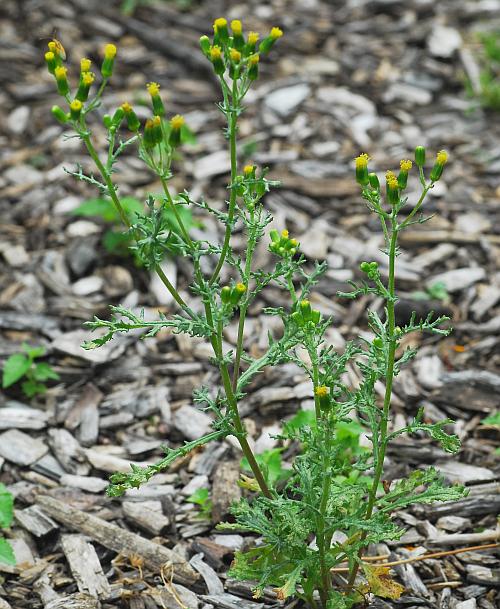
335 502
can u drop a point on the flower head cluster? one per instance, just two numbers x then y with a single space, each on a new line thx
305 314
155 132
54 58
230 51
282 245
231 296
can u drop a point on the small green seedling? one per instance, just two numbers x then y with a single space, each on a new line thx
6 516
489 77
492 419
201 498
436 291
35 374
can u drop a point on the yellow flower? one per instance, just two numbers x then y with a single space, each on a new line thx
215 53
60 72
284 233
85 64
248 169
157 121
321 391
109 51
76 105
276 33
240 288
49 56
177 121
252 38
235 55
391 179
153 88
254 59
236 27
126 107
362 161
88 78
405 165
441 157
219 23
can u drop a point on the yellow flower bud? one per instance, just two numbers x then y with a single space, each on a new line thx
253 37
177 121
405 165
362 169
61 80
75 109
285 233
236 27
153 88
441 157
276 33
85 64
248 170
50 59
109 59
109 51
235 55
321 391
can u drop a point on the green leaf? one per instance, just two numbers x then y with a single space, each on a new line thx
15 368
31 388
492 419
301 419
187 136
6 552
270 463
100 208
33 352
104 208
44 372
200 497
6 507
117 243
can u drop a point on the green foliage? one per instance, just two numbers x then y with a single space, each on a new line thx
153 218
436 291
270 462
6 516
201 498
489 78
23 365
335 485
492 419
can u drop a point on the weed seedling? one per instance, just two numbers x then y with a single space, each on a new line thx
23 366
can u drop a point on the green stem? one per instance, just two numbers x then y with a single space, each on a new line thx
314 362
124 218
238 424
417 206
320 535
382 443
233 119
173 207
244 305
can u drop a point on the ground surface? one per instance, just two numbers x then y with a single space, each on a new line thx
377 76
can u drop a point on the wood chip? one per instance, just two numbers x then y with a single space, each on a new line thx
129 544
85 566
